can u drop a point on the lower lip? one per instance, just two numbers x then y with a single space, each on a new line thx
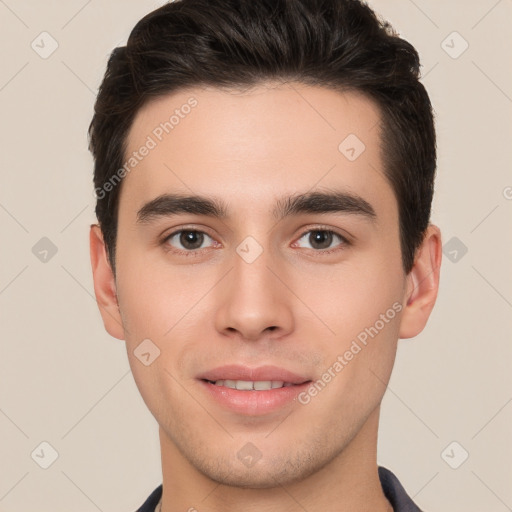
253 403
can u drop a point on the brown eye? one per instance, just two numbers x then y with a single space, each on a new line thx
321 239
187 240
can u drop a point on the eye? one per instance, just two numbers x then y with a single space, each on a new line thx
188 240
321 239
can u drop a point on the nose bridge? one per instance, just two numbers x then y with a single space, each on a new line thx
252 279
254 301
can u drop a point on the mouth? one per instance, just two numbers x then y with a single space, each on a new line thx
252 391
251 385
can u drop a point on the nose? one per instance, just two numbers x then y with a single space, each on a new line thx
254 301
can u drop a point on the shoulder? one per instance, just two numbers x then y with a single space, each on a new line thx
152 501
395 493
393 490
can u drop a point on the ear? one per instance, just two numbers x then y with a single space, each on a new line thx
104 284
422 284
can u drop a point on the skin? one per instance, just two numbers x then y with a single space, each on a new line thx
213 308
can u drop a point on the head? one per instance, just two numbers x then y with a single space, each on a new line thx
337 45
277 112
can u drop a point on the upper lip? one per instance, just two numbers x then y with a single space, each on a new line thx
261 373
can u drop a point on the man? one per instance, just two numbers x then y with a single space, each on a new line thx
264 175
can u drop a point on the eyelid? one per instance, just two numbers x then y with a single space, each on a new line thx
180 229
329 229
345 240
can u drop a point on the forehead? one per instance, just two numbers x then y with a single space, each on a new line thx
253 144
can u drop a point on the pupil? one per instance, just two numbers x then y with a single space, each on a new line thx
321 238
191 239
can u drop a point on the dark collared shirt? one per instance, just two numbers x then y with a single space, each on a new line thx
391 486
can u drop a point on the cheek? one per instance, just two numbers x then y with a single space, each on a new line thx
348 299
358 359
168 307
362 307
154 297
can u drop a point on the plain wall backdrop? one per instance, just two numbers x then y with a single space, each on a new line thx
64 381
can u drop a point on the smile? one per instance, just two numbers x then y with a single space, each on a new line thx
250 385
250 391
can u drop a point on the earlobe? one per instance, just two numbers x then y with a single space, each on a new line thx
104 284
422 284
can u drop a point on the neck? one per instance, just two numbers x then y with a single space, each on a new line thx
350 481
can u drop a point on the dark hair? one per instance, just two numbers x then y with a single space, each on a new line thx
338 44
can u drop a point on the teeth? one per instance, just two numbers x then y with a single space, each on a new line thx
244 385
249 385
263 385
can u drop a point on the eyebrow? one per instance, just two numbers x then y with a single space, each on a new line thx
167 205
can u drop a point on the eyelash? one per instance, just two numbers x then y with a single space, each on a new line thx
344 242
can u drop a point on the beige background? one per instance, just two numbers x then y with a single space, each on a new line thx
65 381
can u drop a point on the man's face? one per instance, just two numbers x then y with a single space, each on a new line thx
263 288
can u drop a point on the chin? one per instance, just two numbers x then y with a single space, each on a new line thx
282 468
261 477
